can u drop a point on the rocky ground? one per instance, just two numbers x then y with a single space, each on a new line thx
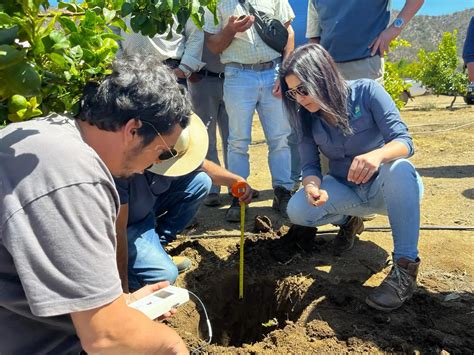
299 298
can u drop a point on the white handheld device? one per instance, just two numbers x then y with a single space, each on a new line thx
161 301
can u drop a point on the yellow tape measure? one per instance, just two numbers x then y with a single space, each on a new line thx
238 189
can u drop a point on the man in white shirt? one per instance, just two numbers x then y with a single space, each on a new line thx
251 83
181 52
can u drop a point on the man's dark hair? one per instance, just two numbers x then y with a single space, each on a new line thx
142 88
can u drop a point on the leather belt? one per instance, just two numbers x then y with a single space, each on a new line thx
206 72
257 66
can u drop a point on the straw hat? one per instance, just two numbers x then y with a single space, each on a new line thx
191 147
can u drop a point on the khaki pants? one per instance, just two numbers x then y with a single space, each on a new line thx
370 68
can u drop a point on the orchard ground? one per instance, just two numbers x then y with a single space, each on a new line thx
299 298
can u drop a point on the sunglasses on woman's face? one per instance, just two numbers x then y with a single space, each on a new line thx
299 90
167 154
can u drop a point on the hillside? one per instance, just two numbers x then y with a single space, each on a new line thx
426 31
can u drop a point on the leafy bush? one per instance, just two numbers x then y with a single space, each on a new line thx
47 55
440 70
392 80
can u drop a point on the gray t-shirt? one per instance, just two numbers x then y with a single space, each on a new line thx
58 207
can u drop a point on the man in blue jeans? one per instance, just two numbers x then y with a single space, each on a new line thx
251 83
160 203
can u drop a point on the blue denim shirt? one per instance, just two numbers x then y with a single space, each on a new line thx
375 121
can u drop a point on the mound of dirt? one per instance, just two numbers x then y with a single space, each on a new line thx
299 298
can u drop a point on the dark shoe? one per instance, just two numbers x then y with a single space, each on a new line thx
182 263
398 286
281 199
344 240
193 223
255 194
296 186
233 213
213 199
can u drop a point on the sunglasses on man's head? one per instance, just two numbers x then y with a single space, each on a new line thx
299 90
167 154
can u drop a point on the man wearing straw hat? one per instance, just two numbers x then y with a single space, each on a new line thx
157 205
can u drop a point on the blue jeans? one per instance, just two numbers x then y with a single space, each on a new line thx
395 192
148 262
245 91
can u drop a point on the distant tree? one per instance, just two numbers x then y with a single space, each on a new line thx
392 79
47 55
441 70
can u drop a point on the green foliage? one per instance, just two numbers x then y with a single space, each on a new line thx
47 55
393 81
440 70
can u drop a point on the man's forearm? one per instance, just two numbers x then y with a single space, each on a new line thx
219 175
410 9
122 246
117 329
314 40
290 44
218 42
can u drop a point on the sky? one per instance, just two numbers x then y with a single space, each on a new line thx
438 7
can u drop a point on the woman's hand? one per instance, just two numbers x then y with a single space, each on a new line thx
364 166
315 196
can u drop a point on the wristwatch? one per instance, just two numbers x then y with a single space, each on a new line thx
399 23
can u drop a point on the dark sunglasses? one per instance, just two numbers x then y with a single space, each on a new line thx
299 90
167 154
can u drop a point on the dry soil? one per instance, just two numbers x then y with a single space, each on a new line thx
299 298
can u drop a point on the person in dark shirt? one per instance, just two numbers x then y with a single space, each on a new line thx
468 50
157 205
468 57
358 127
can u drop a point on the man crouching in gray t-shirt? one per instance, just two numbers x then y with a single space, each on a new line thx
60 290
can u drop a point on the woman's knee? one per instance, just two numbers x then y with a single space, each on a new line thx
401 174
398 170
297 210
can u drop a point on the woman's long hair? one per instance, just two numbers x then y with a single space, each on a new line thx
316 70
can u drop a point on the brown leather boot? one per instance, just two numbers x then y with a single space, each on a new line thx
344 240
398 286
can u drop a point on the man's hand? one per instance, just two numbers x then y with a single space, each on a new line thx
276 91
382 42
315 196
239 24
241 189
179 73
148 290
364 166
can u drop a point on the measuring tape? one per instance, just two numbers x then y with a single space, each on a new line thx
238 190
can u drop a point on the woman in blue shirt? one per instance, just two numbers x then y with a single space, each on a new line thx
358 127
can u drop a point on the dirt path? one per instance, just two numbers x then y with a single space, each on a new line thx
301 299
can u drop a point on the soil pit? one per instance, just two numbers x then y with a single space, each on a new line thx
299 298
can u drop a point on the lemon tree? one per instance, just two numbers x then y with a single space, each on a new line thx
48 54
